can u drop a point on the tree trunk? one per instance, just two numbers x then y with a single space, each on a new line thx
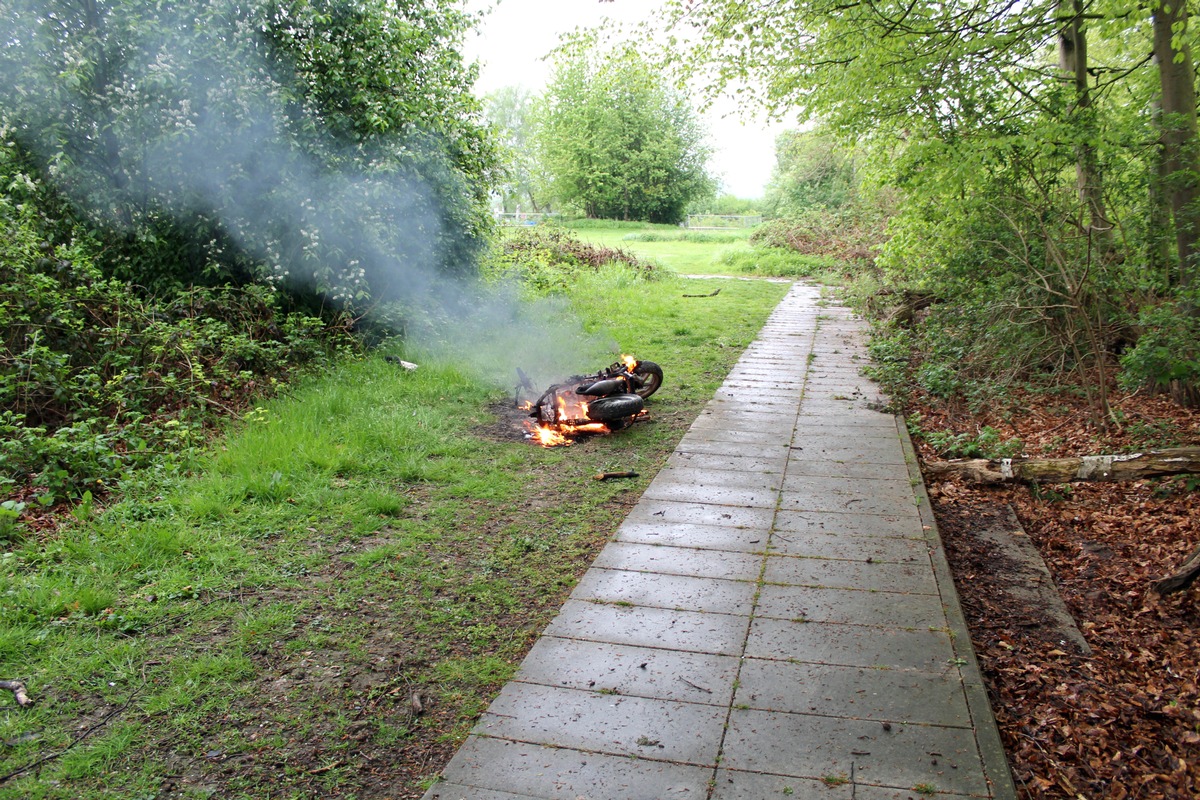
1158 246
1072 60
1132 466
1179 131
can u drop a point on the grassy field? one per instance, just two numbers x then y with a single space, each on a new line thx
327 608
682 251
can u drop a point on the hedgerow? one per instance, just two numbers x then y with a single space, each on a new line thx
97 379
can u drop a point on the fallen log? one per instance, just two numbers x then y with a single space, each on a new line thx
1131 466
1182 579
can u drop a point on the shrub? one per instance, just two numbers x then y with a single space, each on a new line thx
777 262
1168 351
986 444
96 380
848 235
547 260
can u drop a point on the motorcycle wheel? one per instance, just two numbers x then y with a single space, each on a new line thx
614 407
651 375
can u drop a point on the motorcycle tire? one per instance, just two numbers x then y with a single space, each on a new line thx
651 375
614 407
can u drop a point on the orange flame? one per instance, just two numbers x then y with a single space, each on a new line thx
560 435
630 362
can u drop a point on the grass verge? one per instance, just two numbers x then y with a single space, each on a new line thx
328 607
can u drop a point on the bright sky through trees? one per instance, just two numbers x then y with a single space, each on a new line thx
516 35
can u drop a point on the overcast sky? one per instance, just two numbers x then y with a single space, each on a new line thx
518 33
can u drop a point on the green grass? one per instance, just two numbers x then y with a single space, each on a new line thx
775 262
263 627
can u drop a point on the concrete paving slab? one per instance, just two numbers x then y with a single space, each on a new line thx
720 634
895 695
642 727
743 479
650 510
851 606
799 465
852 419
768 386
695 444
743 462
737 785
630 671
667 488
882 576
849 524
813 746
860 450
778 426
840 438
850 548
457 791
552 773
832 409
684 534
845 503
857 487
718 433
688 561
651 589
763 403
850 645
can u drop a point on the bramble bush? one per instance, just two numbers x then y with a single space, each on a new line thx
850 234
548 260
97 380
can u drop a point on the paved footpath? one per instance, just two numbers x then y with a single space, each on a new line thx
775 618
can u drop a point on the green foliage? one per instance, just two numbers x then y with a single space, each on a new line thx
1027 204
10 526
551 260
616 140
727 204
1168 349
523 182
325 145
850 234
776 262
96 381
812 170
987 443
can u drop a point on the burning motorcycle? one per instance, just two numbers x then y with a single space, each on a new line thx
608 400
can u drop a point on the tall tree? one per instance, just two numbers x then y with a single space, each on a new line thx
1180 142
510 110
330 144
812 168
617 142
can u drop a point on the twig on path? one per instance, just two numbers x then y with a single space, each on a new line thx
603 476
694 686
326 768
